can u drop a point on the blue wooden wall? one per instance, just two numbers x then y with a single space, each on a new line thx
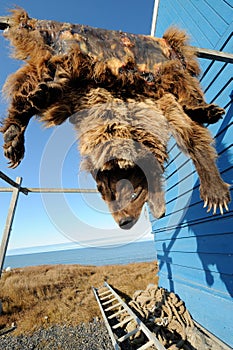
195 249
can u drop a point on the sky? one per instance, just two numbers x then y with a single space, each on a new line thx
52 158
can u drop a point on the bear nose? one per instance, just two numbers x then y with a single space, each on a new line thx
126 223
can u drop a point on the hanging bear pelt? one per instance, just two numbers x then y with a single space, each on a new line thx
126 94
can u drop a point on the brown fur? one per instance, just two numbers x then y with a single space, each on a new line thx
128 94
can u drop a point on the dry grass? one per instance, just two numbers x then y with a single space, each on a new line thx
61 294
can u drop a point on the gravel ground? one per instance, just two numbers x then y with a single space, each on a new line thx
88 336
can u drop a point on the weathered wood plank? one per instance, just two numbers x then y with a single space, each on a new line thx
215 55
9 222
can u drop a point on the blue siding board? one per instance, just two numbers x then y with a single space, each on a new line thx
182 182
228 2
207 84
183 12
197 278
219 70
220 244
213 95
185 172
178 198
221 285
224 141
216 226
217 23
195 248
222 8
213 24
195 261
219 73
191 210
181 169
225 42
185 235
226 122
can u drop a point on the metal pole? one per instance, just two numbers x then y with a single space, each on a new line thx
154 17
12 183
214 55
9 221
50 190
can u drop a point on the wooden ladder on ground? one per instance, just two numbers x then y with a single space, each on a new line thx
111 306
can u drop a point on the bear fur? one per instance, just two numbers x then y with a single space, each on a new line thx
126 94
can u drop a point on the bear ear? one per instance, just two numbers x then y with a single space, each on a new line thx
153 171
156 202
156 197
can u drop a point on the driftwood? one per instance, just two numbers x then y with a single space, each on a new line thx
127 93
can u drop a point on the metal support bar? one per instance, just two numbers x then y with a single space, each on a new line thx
214 55
12 183
9 221
50 190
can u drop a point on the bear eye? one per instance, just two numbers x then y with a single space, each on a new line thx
134 196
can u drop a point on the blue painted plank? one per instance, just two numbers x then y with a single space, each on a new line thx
207 243
163 229
173 154
224 80
225 42
180 192
194 260
195 249
182 13
217 69
207 14
218 227
222 8
220 285
193 217
188 198
215 129
179 17
206 19
169 275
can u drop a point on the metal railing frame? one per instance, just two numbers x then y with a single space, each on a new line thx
16 188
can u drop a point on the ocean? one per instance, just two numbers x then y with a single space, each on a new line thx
133 252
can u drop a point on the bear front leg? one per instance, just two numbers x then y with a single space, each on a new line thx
13 130
18 87
13 145
14 126
213 190
196 141
204 113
